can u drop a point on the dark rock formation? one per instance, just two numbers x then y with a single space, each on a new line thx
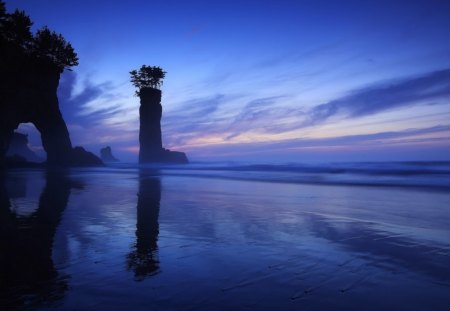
106 155
150 112
30 68
80 157
33 99
173 156
19 147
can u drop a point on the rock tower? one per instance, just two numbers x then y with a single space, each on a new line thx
150 112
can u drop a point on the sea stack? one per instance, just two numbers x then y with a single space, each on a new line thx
150 112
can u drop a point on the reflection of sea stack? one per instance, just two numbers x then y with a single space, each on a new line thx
143 260
150 112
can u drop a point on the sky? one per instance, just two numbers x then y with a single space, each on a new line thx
265 81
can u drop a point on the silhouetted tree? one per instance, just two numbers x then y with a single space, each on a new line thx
50 46
147 76
20 46
15 28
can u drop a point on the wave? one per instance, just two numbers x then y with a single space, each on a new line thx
364 168
429 174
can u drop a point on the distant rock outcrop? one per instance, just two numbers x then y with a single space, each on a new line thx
19 147
107 156
150 141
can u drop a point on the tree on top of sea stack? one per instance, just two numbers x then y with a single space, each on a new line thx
147 76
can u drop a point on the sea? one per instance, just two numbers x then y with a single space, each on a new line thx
227 236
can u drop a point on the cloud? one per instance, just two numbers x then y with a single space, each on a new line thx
198 116
252 114
200 107
378 98
350 142
279 114
78 107
217 115
382 97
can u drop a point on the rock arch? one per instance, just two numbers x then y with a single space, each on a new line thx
32 98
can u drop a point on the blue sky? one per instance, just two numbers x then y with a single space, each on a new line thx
260 80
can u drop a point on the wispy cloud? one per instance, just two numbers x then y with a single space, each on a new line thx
255 114
382 97
198 116
93 104
349 142
279 114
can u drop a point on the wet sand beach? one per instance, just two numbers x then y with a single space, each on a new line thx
133 238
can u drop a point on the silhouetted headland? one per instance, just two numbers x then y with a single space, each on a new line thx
30 69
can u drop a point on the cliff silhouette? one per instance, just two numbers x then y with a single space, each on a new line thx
30 69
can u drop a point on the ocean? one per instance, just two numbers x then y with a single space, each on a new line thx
227 236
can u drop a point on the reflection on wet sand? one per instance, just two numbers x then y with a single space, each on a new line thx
143 260
212 244
28 276
384 249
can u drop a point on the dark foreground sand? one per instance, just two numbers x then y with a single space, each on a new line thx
141 239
